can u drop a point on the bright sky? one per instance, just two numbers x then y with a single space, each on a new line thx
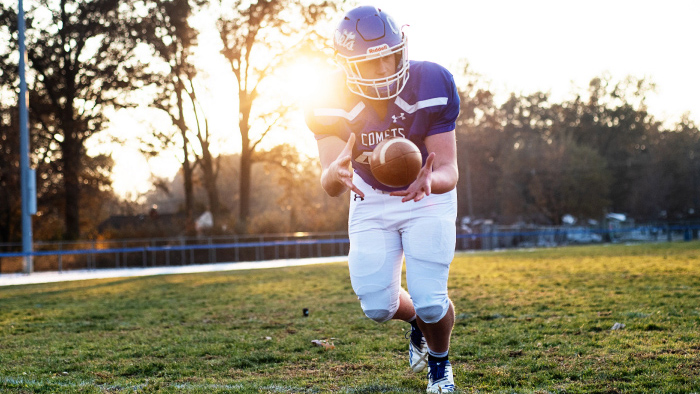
519 46
524 46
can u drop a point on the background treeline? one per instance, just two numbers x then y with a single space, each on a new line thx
534 160
523 159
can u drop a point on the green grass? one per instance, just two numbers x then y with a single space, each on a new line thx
527 322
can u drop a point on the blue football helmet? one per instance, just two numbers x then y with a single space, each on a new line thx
367 33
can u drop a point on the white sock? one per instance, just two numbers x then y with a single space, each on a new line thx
438 355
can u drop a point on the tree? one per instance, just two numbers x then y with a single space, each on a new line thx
10 202
303 202
48 225
545 174
478 134
81 56
554 180
615 123
258 37
522 163
172 38
677 163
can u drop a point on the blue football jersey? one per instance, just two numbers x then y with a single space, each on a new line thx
428 104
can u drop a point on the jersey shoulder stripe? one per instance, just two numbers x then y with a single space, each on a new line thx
411 108
340 113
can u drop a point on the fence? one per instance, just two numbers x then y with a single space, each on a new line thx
504 237
97 254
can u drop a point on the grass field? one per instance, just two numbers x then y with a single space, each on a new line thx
536 321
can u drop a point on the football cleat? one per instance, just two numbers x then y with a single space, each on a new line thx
417 351
440 378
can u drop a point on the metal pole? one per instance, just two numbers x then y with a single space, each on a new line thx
26 173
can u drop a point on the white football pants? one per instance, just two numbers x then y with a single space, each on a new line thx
382 230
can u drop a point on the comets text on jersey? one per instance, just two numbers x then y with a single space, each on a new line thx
374 137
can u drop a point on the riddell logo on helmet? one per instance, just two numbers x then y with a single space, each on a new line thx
346 39
380 48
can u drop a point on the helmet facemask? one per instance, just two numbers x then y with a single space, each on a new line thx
376 88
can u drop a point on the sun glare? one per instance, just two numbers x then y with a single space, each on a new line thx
300 79
292 86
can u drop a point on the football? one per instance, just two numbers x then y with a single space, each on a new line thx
396 162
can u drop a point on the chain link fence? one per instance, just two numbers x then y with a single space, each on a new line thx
158 252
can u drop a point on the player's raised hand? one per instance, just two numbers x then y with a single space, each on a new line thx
341 167
420 188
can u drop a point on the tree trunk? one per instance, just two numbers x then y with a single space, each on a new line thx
187 178
71 150
187 169
244 207
210 183
246 162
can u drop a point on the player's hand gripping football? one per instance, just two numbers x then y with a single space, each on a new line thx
421 186
341 168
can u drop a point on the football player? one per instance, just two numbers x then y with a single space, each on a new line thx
380 93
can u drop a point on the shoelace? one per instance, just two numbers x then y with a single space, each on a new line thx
415 335
436 371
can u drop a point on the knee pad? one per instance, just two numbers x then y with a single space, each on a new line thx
378 304
429 297
379 315
432 313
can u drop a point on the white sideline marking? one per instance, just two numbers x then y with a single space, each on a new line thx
55 276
